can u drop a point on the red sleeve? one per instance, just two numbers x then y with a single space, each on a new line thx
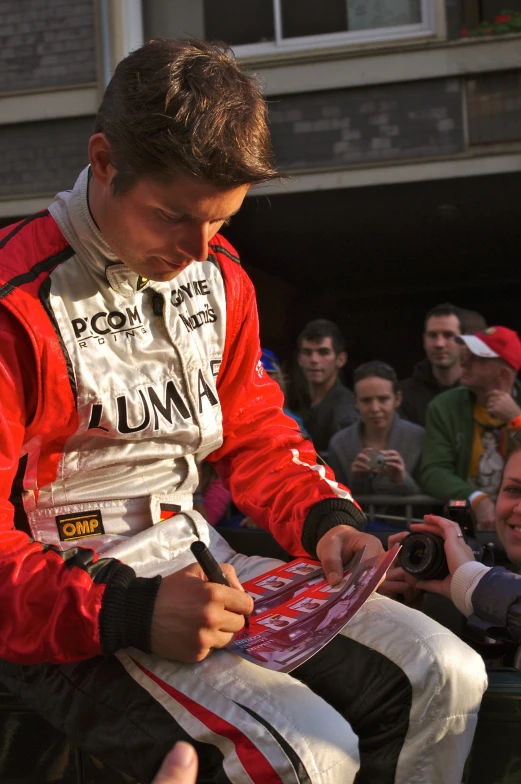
271 470
51 601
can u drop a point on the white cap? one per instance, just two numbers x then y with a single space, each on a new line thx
477 346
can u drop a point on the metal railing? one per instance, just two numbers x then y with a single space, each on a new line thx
370 504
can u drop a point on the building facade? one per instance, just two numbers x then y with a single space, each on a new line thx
398 131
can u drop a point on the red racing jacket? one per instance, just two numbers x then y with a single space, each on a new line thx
112 389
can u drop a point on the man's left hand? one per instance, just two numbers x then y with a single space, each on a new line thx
502 405
338 546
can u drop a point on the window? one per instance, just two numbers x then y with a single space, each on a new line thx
263 26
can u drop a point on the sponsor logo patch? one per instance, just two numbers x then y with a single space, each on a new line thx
79 525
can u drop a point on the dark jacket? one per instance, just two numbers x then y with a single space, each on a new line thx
333 413
448 444
418 390
497 599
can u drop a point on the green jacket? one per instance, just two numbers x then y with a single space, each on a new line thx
447 446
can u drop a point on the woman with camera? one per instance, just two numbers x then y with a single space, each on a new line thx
491 593
381 453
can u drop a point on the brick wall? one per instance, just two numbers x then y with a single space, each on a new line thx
367 125
43 157
46 43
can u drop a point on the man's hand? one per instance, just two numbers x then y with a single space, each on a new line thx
338 546
396 581
192 616
179 766
394 465
502 405
361 465
484 512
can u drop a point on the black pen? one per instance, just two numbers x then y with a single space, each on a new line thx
211 568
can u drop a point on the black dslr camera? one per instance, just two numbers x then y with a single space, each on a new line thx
423 554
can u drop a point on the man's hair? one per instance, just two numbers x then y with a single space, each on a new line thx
185 107
445 309
471 321
376 369
320 329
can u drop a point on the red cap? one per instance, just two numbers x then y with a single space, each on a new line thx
495 342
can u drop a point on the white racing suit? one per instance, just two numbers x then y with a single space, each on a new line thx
113 388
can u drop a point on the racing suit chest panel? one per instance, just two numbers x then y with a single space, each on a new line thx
145 364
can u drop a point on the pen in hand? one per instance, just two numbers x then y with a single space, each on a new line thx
211 568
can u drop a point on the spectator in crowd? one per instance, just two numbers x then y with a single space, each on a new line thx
440 370
493 594
321 355
381 453
468 428
471 321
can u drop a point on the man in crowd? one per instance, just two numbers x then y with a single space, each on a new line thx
321 356
129 354
440 370
468 428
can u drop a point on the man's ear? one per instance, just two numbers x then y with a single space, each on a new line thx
398 399
100 159
341 359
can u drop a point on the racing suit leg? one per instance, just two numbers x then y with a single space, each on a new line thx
416 710
249 725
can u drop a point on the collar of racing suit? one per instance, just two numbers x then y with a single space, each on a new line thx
72 213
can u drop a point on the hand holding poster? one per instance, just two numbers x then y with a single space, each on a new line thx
297 612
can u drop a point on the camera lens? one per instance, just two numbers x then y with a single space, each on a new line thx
423 556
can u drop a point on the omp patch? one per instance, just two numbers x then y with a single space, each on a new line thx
79 525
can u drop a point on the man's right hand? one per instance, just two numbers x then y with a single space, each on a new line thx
192 616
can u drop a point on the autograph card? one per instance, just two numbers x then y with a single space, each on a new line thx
296 611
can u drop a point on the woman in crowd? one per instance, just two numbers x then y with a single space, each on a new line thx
491 593
380 453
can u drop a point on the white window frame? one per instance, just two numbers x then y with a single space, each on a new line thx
426 27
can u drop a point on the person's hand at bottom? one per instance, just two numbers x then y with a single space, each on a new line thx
179 766
337 547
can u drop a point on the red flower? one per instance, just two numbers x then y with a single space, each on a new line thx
463 33
503 18
489 31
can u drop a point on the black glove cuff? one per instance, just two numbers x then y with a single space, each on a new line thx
326 515
126 612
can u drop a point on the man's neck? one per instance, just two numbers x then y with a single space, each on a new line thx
317 392
447 377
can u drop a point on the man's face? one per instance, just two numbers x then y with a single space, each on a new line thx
479 374
159 229
508 509
318 360
439 340
376 402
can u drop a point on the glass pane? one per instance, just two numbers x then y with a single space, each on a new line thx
309 17
238 22
371 14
